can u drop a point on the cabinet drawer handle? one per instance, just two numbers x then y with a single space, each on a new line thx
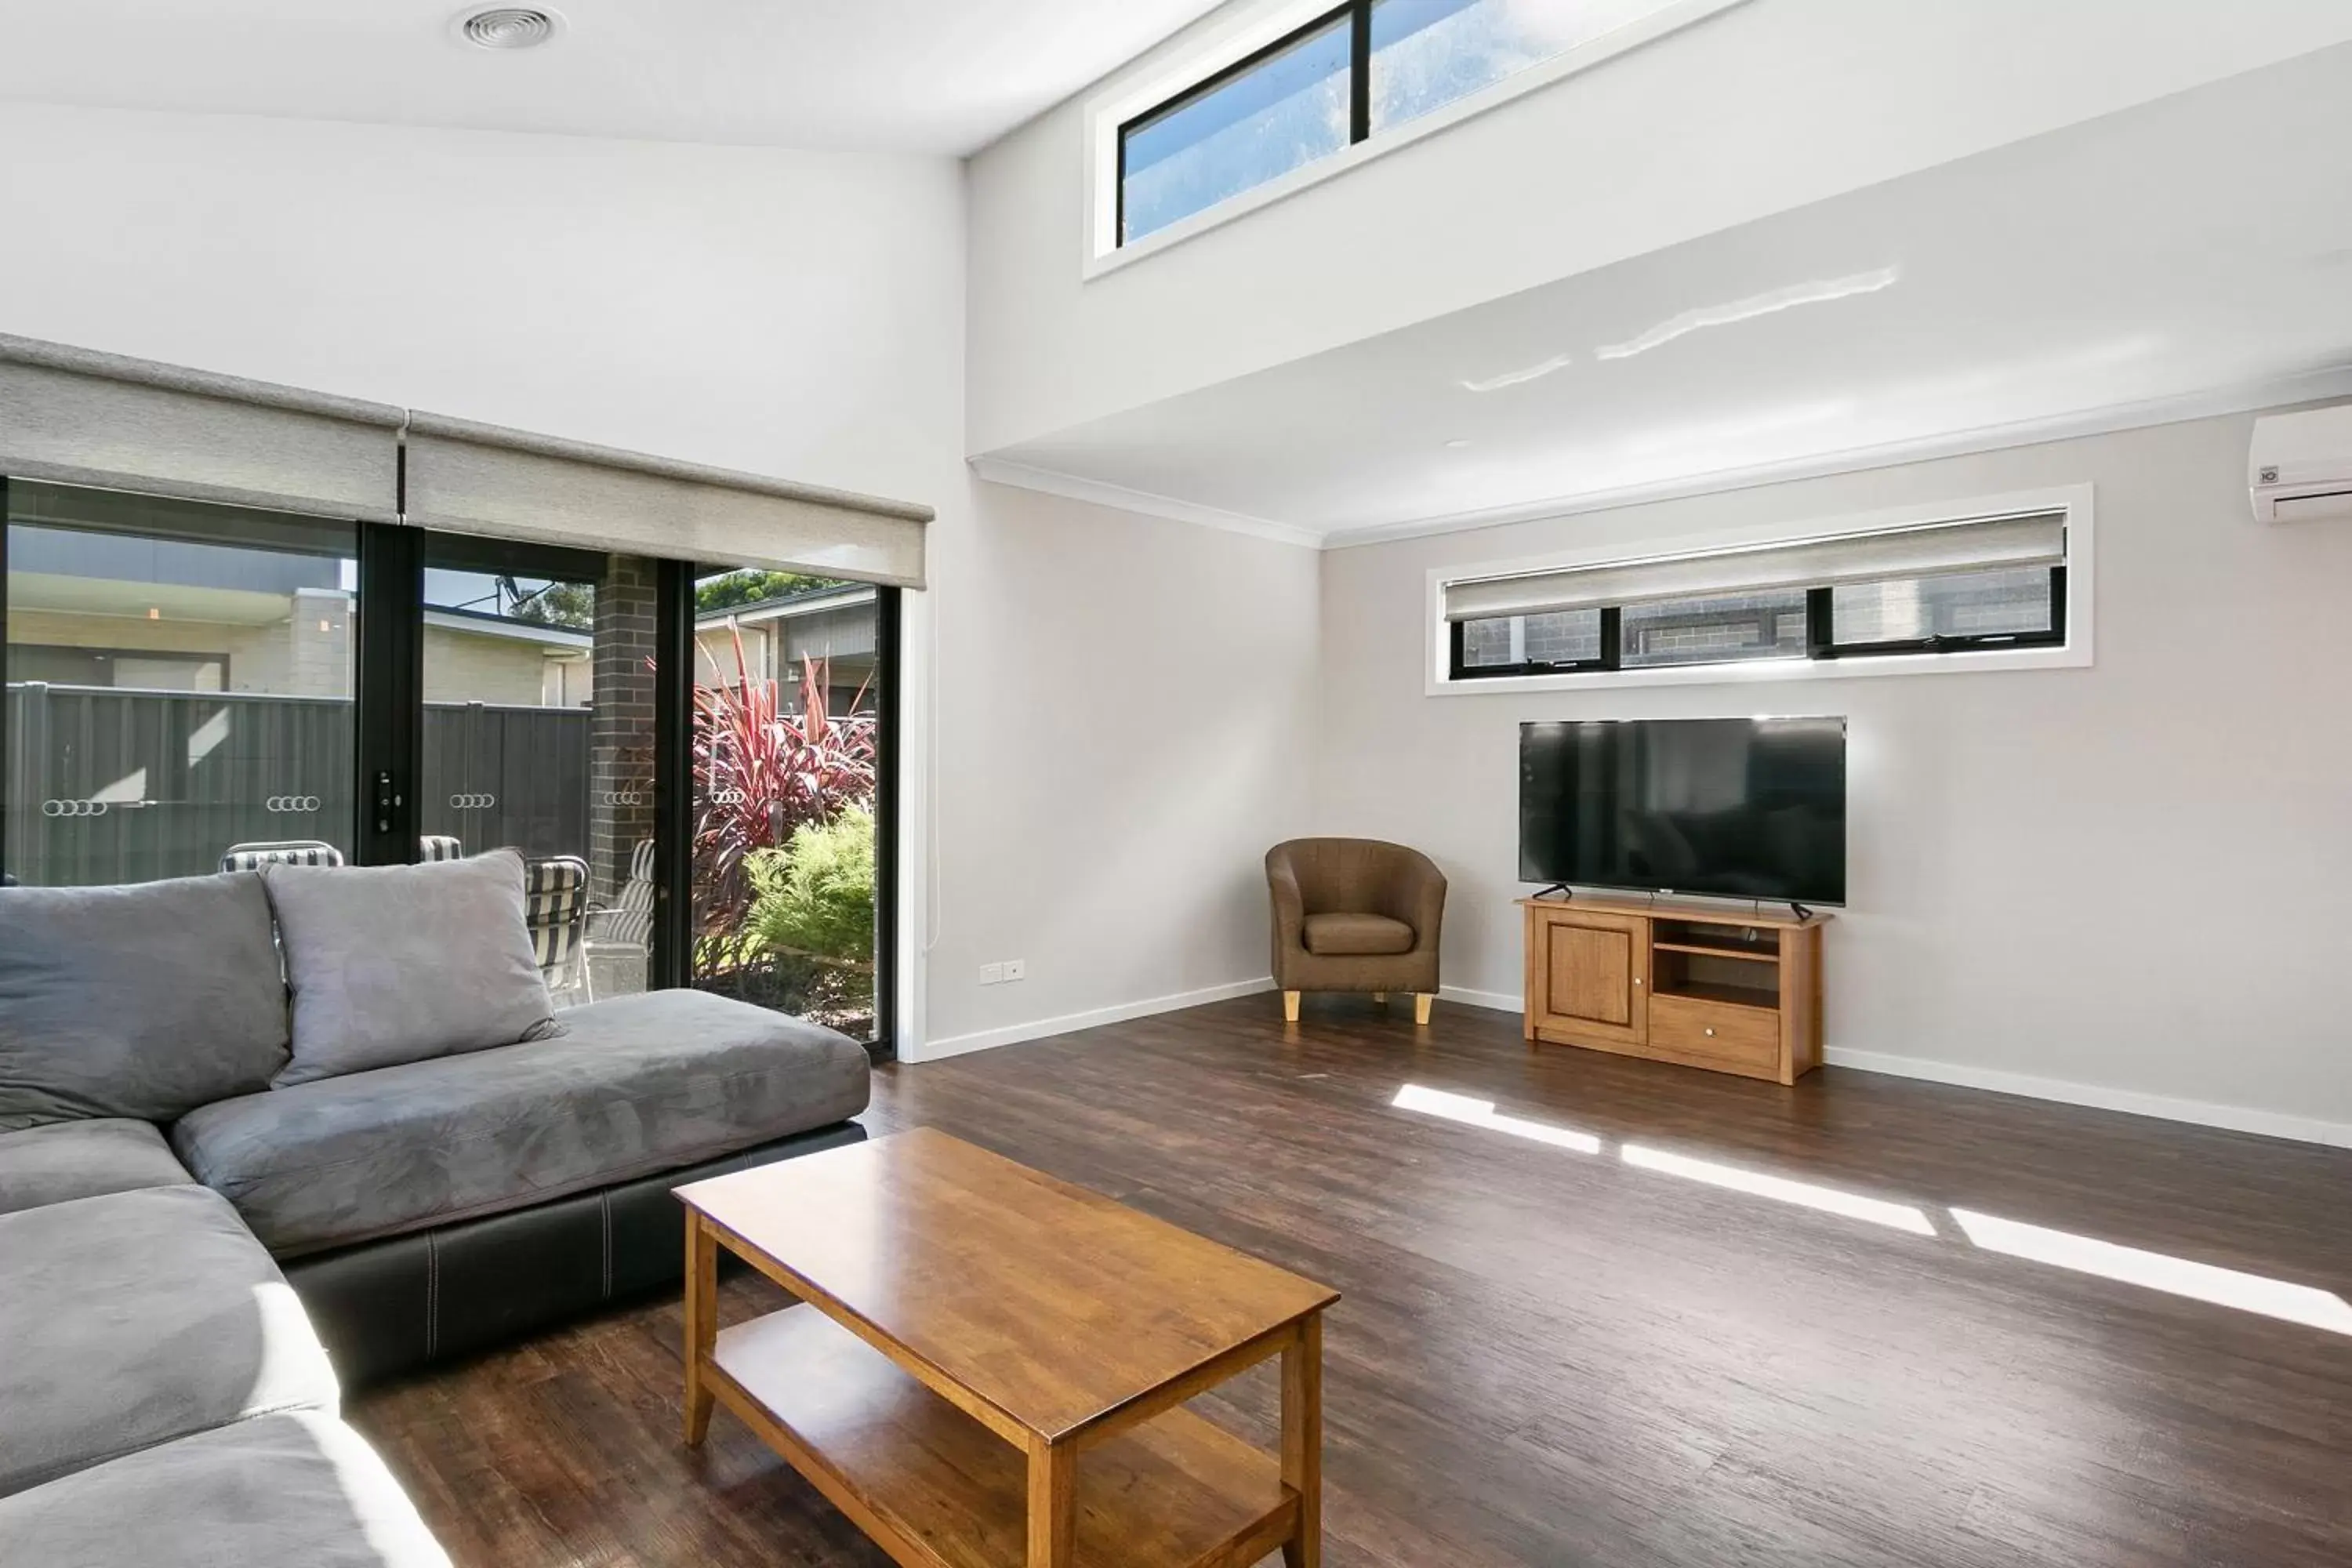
1710 1034
1637 980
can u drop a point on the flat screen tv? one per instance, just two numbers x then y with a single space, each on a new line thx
1736 808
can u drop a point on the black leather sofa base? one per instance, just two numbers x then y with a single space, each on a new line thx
390 1306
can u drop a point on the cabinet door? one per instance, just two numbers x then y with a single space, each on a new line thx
1590 974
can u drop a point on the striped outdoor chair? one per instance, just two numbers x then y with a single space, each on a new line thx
624 927
555 911
434 846
628 921
291 852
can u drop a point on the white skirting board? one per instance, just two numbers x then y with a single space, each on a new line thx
1038 1029
1493 999
2231 1118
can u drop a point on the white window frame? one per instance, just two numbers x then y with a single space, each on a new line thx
2075 653
1244 35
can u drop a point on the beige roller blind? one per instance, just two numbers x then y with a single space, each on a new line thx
1976 544
480 479
79 416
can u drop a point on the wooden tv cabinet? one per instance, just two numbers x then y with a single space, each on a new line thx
1716 988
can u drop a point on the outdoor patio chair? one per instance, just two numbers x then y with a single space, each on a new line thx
623 929
432 847
555 911
289 852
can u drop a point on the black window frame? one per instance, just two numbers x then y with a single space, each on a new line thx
1821 629
1613 646
1358 16
388 708
1821 640
677 622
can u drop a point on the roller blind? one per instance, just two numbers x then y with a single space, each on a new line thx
79 416
480 479
1976 545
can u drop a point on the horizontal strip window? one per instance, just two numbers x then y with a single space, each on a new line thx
1345 75
1986 584
1536 645
1976 545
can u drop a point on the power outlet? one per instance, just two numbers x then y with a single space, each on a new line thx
991 975
1015 969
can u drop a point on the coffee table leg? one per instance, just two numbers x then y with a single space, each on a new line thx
1302 1441
701 1323
1052 1504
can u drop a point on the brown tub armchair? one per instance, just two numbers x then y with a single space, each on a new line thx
1355 914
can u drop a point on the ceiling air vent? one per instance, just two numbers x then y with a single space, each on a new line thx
508 27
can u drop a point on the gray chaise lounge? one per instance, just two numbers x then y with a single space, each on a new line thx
168 1397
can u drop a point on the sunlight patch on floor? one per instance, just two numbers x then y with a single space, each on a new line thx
2283 1299
2279 1299
1472 1112
1781 1189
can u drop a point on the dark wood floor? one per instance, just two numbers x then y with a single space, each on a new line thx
1549 1357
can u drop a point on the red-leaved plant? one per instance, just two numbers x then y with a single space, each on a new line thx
759 773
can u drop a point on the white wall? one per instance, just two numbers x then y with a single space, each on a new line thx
786 312
2135 880
1765 108
1126 713
1123 704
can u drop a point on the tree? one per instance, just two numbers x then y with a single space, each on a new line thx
570 604
752 586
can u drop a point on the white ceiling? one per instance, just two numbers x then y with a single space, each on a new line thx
2190 248
918 76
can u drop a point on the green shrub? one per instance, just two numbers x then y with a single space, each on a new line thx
814 896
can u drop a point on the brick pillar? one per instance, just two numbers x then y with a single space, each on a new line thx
621 725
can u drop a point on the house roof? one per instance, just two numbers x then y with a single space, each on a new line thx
480 623
807 600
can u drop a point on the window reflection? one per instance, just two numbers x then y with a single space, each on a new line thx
179 683
1427 52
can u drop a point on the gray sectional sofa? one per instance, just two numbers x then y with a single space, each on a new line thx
231 1187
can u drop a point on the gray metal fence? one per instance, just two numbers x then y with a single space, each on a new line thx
107 785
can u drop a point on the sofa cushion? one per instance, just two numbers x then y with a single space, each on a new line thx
635 1085
401 963
297 1490
68 1160
143 1002
136 1318
1341 935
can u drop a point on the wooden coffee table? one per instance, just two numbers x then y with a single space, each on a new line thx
985 1364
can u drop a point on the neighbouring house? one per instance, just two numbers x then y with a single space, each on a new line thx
94 609
833 625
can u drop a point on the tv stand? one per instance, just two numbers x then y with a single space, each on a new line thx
1562 888
1731 990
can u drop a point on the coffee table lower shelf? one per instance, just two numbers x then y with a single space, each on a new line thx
937 1489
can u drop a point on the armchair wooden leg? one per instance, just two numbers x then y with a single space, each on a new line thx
1420 1001
1290 1006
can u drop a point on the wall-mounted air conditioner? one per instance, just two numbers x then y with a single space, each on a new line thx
2301 465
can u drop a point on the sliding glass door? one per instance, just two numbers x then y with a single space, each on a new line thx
540 679
793 693
191 686
179 685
